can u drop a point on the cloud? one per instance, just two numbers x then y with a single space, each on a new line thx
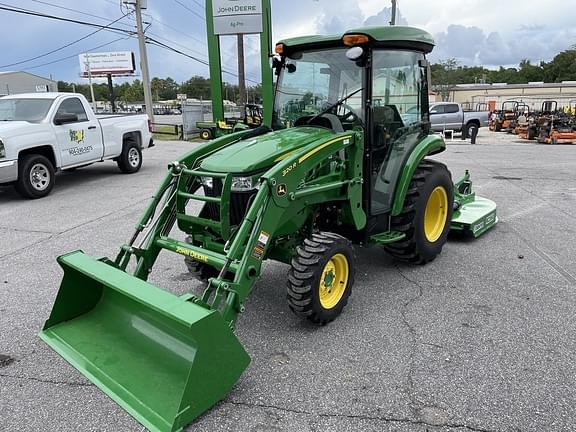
471 46
383 18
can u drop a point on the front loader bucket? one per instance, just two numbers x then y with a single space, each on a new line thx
164 359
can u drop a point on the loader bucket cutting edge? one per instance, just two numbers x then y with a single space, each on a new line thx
165 360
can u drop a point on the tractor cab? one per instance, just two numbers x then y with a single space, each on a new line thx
371 82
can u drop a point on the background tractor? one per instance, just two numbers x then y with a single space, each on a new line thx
252 119
354 168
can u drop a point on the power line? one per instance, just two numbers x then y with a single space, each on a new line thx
11 8
204 62
201 6
190 10
62 47
77 54
74 10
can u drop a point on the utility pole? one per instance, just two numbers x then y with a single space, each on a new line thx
393 17
241 76
144 61
90 81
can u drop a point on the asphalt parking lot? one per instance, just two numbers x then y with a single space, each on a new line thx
481 339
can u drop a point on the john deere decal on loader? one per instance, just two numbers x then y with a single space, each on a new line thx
354 167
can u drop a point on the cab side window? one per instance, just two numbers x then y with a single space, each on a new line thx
451 108
438 109
73 106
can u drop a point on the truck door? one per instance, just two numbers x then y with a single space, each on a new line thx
79 141
453 117
438 118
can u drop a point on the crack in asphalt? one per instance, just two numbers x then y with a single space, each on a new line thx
519 186
559 269
388 419
27 230
46 381
414 336
83 224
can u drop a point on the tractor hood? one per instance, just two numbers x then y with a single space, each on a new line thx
260 153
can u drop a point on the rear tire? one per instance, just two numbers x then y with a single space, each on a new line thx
206 134
470 127
35 176
130 159
321 277
426 215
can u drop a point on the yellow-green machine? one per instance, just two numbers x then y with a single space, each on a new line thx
355 167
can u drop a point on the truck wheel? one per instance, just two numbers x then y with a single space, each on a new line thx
426 215
470 129
206 134
35 176
130 159
321 277
199 270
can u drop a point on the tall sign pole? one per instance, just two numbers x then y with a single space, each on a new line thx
144 61
238 17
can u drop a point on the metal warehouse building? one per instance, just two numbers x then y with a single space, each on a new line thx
533 93
24 82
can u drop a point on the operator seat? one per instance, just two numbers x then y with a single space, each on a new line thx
387 121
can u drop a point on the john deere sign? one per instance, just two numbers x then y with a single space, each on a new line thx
237 16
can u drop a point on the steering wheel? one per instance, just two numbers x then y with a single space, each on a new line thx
349 116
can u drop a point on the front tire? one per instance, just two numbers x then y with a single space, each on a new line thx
199 270
426 215
35 176
130 159
321 277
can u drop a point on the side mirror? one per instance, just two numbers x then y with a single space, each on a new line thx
63 118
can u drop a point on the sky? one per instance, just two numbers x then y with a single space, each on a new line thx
489 33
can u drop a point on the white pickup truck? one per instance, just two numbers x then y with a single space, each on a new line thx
42 133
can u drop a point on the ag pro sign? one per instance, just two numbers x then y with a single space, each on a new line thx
237 16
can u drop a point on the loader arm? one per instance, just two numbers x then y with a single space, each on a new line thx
282 195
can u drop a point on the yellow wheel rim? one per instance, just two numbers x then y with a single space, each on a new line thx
334 281
436 214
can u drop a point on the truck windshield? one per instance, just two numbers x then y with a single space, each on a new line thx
30 110
311 81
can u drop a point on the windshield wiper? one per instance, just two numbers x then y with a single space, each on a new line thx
334 105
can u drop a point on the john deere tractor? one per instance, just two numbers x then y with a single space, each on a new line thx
353 168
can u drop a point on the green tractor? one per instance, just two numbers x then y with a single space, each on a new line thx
252 119
356 170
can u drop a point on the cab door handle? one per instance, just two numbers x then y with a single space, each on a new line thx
91 127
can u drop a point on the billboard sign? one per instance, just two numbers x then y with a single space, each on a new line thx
114 63
237 16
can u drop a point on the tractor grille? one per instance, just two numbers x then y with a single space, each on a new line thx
239 202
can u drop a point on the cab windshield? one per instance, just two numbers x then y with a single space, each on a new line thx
312 81
30 110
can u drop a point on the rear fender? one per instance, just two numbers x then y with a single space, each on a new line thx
430 145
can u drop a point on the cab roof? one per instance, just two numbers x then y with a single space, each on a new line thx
399 37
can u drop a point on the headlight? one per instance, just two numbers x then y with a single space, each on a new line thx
239 184
2 150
